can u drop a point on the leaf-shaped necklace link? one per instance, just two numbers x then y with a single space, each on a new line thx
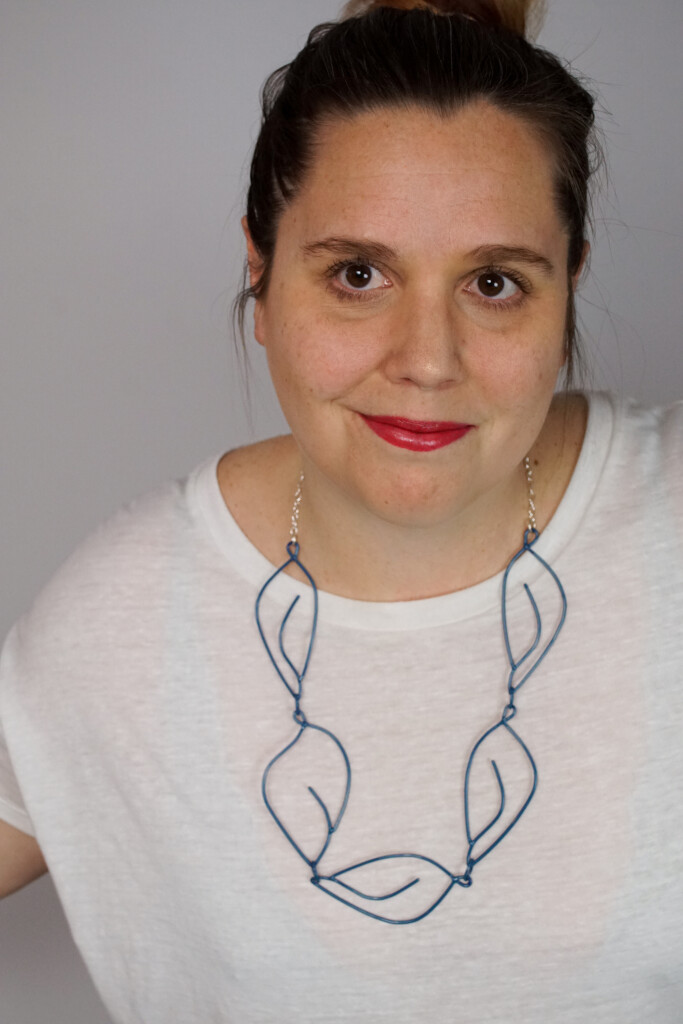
338 883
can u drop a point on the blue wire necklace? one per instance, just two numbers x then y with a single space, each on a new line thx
337 883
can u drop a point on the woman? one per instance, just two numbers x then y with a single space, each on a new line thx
439 530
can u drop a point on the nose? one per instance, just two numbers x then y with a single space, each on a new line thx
426 342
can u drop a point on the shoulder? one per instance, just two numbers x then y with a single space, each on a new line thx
645 460
657 430
124 570
109 575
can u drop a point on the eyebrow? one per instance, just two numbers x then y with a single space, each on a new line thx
358 246
376 251
515 253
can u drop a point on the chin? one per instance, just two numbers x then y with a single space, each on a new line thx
408 502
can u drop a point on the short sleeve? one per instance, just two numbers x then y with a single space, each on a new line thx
12 808
672 436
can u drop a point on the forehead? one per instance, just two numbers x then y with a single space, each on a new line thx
414 177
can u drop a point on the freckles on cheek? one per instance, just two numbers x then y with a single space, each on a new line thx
518 369
502 375
341 369
323 363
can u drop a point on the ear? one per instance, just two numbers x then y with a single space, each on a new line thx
255 264
582 264
253 259
575 281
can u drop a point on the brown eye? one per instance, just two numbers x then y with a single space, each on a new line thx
357 280
499 287
491 285
358 275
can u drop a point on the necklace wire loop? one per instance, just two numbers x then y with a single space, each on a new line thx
334 883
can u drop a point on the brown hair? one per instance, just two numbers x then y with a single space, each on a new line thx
435 55
515 15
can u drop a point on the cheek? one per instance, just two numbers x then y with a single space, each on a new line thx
519 372
314 359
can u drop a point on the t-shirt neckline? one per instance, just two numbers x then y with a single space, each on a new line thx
215 519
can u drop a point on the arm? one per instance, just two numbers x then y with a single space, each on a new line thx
21 860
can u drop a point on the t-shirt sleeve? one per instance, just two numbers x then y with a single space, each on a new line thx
55 662
12 807
670 472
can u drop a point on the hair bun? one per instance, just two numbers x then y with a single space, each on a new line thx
523 17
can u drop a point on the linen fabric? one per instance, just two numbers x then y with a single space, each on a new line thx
138 710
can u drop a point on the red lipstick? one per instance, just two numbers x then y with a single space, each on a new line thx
416 435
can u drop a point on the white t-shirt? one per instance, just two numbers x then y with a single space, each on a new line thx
139 709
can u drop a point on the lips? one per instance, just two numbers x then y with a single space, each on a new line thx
417 435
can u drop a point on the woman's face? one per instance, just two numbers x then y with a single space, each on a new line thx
420 274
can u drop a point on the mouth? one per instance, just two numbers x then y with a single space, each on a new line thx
417 435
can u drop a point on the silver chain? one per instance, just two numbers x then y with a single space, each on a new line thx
530 493
296 506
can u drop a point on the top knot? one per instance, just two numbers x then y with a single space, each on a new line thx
523 17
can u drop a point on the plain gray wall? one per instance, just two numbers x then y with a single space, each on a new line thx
126 128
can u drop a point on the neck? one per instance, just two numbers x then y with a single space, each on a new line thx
353 553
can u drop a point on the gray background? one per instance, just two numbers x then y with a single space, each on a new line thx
126 128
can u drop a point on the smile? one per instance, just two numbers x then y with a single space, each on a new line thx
416 435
